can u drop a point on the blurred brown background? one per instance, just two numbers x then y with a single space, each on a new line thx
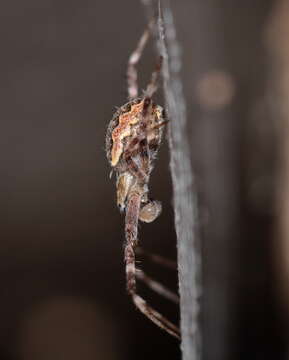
63 291
62 73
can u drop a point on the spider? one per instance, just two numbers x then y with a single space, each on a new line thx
133 139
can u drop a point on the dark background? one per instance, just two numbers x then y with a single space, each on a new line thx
63 292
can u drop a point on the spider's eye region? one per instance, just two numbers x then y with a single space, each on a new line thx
150 211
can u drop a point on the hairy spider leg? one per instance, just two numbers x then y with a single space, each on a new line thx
147 111
157 259
153 84
133 61
140 168
133 168
156 317
157 287
143 135
138 146
161 124
131 232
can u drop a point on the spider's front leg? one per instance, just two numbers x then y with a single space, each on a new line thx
133 61
157 287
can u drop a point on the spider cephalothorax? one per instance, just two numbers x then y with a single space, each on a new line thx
132 141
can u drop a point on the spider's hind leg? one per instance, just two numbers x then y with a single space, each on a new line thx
157 259
132 213
157 287
154 285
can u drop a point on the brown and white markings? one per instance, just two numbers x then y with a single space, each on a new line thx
133 139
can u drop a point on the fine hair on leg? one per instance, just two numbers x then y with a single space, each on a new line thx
168 263
131 224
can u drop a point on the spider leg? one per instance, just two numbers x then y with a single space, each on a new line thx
156 317
138 146
143 135
168 263
134 169
149 139
139 169
137 159
145 155
161 124
131 230
148 148
159 288
133 61
153 84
